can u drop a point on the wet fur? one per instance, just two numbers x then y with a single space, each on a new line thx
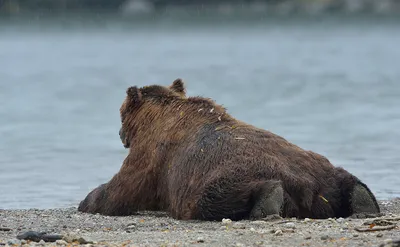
189 157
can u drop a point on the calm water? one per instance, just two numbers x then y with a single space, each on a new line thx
332 87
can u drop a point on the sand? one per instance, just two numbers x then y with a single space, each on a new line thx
157 229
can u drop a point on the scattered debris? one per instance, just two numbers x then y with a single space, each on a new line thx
323 198
376 225
226 221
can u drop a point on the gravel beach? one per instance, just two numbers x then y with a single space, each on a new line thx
71 228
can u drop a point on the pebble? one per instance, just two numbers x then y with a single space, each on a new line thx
307 220
226 221
325 237
200 240
307 237
258 222
14 242
42 242
278 232
239 245
74 238
61 242
379 235
355 235
238 225
290 225
340 220
130 227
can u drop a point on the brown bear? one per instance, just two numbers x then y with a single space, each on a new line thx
189 157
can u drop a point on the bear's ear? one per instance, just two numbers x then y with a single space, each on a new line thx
134 94
178 86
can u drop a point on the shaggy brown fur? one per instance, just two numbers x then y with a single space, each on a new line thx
189 157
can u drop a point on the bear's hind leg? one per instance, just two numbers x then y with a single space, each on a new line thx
268 200
357 199
237 199
363 201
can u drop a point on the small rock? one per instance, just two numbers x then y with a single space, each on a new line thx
223 228
340 220
307 220
379 235
252 229
307 237
74 238
42 242
23 241
226 221
290 225
200 240
14 242
238 225
239 245
278 233
130 227
31 235
325 237
355 235
61 242
258 222
5 229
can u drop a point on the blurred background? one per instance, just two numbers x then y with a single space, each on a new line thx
324 74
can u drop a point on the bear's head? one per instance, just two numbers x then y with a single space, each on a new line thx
136 97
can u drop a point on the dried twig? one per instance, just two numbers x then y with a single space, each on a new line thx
374 228
376 225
